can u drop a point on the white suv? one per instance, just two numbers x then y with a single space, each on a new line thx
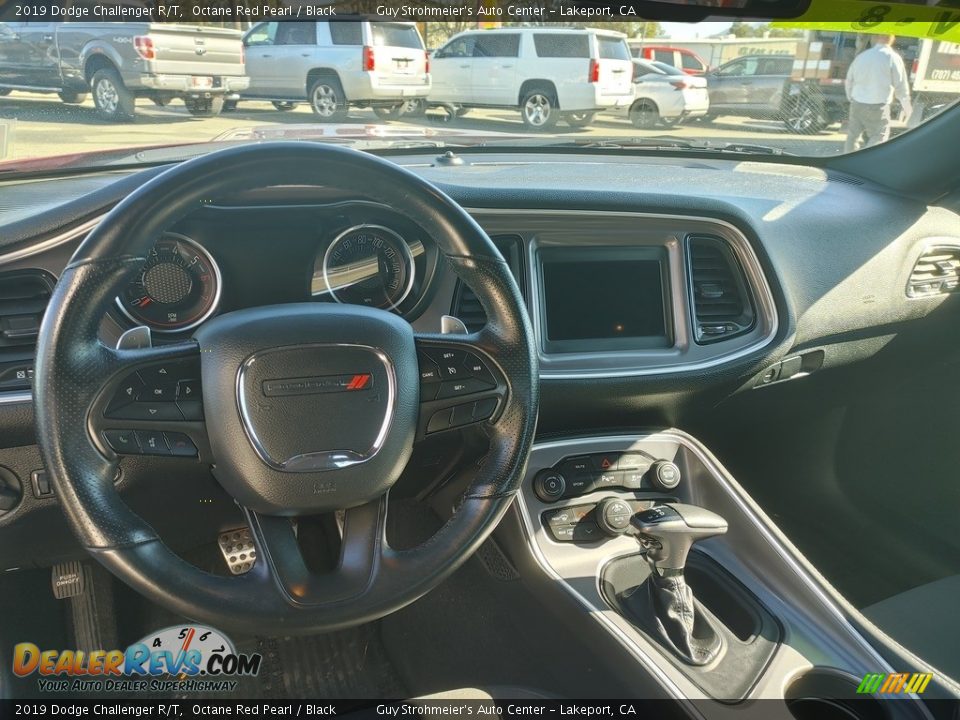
333 65
543 72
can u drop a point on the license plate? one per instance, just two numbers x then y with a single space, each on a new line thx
403 68
201 83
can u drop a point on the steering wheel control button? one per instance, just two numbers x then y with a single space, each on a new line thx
549 485
122 441
665 475
158 392
440 420
475 367
180 445
129 391
152 442
42 487
462 415
484 409
451 364
188 390
456 388
147 411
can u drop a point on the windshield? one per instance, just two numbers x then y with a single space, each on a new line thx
102 92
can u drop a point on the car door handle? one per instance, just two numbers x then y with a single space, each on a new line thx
304 54
48 38
506 67
464 67
266 56
617 72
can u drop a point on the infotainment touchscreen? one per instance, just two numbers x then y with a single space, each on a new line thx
597 299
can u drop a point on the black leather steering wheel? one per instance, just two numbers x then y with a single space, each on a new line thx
281 454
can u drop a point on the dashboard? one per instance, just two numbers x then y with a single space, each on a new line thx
633 281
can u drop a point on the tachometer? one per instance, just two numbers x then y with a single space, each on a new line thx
177 289
368 265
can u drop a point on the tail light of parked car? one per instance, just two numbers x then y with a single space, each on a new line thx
143 44
594 75
680 84
426 62
369 61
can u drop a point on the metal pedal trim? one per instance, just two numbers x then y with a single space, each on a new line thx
238 550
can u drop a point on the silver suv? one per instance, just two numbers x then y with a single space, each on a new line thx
333 65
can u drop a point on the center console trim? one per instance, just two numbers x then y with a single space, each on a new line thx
671 361
652 664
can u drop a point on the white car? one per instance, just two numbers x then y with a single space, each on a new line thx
665 94
334 65
545 73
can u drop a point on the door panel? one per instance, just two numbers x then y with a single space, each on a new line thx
261 59
451 71
494 74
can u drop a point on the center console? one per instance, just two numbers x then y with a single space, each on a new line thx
669 558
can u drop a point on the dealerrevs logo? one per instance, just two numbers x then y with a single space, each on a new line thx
186 658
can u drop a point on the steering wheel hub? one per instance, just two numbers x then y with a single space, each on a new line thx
309 407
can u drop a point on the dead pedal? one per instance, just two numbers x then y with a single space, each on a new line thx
238 549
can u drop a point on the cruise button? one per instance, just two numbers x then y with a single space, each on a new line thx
456 388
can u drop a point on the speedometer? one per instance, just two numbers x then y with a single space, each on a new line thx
368 265
177 288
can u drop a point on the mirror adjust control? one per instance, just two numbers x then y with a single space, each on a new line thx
549 485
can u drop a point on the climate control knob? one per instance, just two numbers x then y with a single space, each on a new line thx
613 515
549 485
664 475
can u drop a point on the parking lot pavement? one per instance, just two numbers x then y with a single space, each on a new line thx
43 126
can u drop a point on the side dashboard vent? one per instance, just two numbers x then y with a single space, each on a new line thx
722 305
936 272
24 295
466 305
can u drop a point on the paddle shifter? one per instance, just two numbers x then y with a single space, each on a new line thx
664 603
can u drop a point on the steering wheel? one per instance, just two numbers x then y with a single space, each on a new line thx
287 435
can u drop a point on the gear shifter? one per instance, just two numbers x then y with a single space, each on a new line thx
664 603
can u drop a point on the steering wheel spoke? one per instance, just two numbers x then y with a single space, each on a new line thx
151 403
460 384
362 545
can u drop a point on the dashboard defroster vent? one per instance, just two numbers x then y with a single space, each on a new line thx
721 301
936 272
466 306
24 295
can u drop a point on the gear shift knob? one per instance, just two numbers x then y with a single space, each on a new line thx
668 531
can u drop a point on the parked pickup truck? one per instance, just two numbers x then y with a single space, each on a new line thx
119 62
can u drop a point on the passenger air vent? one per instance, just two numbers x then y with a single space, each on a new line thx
466 306
23 299
722 306
937 272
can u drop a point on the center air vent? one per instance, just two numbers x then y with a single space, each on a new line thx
466 305
937 272
23 299
721 302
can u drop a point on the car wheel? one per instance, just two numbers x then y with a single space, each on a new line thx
204 107
327 100
282 105
388 112
579 119
111 97
414 108
72 98
806 119
644 115
539 109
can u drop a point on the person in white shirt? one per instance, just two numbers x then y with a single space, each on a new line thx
876 76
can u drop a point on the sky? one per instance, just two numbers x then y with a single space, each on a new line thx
692 31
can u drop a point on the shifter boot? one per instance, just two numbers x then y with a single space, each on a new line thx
666 608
